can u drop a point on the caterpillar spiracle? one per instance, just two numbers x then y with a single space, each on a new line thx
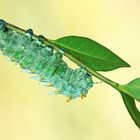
41 60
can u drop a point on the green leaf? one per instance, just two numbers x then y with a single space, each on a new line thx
133 89
90 53
132 109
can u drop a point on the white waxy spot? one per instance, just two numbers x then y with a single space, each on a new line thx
53 93
61 51
38 42
27 34
48 48
26 71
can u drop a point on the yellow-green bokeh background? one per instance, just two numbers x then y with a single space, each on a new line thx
27 112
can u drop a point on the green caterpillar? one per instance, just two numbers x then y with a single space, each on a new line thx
34 56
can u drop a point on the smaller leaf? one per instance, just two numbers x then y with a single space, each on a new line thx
133 89
132 109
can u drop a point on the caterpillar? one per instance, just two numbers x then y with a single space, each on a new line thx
43 62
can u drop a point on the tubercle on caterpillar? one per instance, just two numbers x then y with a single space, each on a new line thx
35 54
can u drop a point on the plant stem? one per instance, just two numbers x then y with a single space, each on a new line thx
57 47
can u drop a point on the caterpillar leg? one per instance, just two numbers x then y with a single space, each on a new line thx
68 99
81 96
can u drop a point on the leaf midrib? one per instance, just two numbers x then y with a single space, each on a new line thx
57 43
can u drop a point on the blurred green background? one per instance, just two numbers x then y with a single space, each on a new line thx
27 112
